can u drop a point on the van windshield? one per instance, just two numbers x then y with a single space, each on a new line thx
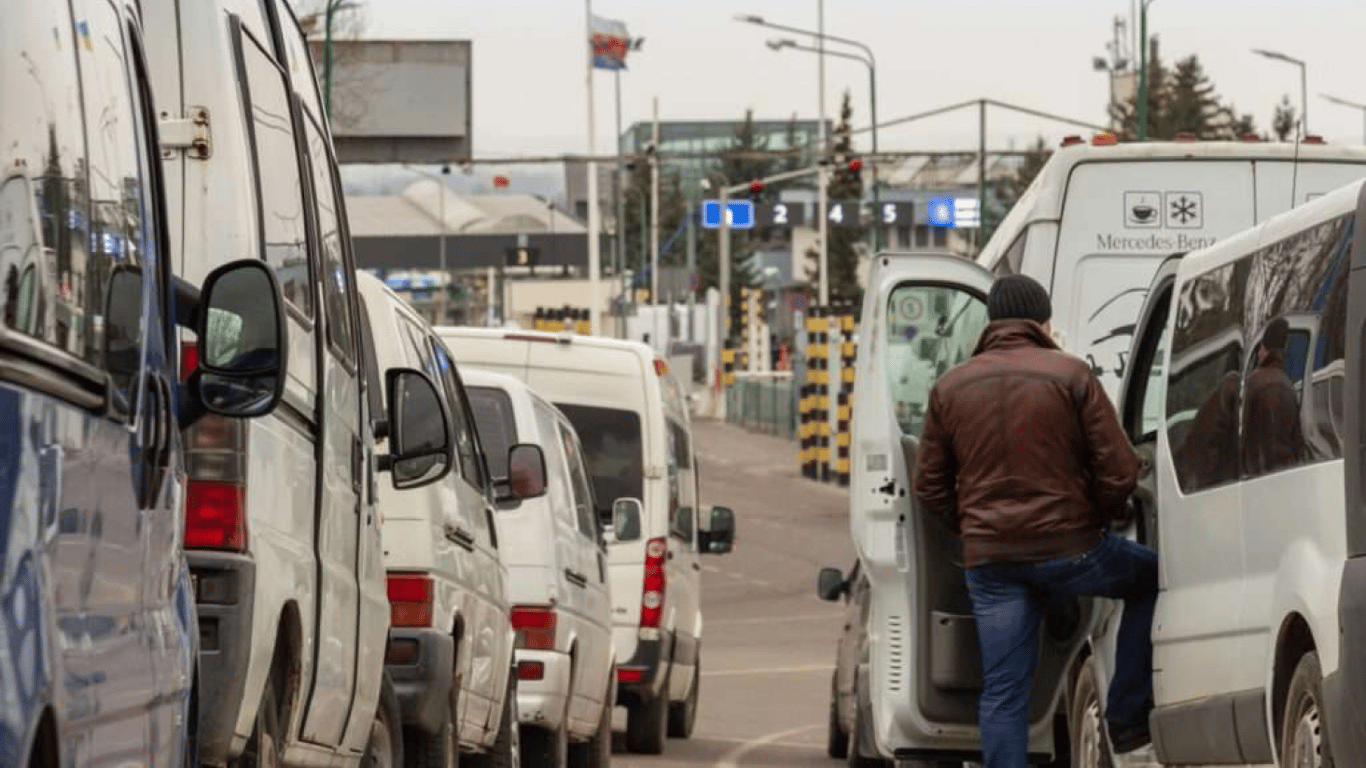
930 329
613 451
497 429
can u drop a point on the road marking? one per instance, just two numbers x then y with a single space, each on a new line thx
732 758
769 671
778 619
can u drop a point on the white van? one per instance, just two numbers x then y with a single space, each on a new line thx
450 642
637 439
280 525
1258 650
557 569
1092 228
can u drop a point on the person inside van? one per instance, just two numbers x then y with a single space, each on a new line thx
1022 448
1274 437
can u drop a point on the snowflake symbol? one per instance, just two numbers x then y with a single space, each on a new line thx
1183 209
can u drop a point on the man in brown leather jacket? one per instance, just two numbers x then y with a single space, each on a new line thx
1022 450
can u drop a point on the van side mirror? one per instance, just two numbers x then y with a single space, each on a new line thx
242 341
719 538
123 327
626 517
526 471
830 585
420 448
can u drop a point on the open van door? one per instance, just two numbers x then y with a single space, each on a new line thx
923 314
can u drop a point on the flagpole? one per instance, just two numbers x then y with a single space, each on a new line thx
594 223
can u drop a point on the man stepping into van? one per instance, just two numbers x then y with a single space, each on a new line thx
1023 453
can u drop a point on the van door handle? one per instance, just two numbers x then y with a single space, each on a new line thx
576 578
460 536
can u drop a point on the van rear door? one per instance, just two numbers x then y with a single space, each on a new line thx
924 315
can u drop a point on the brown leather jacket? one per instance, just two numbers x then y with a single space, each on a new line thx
1023 446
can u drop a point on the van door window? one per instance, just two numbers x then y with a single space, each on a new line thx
613 450
118 221
336 278
681 524
466 439
279 181
1203 385
578 481
497 428
930 329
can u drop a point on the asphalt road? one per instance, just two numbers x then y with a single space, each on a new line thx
768 645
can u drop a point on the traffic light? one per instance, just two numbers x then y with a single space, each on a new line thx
756 188
854 169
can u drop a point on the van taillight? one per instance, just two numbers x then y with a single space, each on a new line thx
215 516
652 592
189 360
661 367
410 599
535 627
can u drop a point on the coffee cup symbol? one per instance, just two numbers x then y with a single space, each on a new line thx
1144 213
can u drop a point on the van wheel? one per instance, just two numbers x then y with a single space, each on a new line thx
385 747
647 723
858 741
547 747
435 750
836 740
1304 738
683 715
266 749
506 751
1089 737
597 751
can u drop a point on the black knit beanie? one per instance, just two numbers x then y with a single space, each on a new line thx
1273 339
1019 297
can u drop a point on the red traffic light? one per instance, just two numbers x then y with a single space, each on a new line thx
855 165
756 187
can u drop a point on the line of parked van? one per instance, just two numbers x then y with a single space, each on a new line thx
198 394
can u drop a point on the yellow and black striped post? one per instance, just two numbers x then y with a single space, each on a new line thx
808 406
845 414
582 326
538 319
728 366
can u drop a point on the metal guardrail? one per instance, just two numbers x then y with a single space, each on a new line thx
763 404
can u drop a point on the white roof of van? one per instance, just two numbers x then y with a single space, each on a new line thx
494 334
478 377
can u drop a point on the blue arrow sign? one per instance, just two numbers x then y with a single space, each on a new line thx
741 214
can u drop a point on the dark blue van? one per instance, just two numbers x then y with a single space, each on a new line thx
97 621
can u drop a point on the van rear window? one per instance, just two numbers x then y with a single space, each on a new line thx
613 451
497 428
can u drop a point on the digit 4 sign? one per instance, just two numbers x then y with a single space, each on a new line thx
843 213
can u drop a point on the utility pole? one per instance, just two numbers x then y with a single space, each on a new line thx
654 209
1143 69
981 175
594 217
822 176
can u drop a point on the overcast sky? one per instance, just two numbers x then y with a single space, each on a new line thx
529 85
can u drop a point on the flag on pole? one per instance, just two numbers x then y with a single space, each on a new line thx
610 42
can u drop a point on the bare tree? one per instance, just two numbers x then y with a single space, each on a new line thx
348 23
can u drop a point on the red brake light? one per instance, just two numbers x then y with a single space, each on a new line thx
630 674
215 516
1314 139
1104 140
410 599
535 627
530 670
661 367
652 591
1069 141
1185 136
1251 137
189 360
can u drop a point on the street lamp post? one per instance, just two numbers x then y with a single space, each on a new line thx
871 64
1143 69
1304 84
1353 105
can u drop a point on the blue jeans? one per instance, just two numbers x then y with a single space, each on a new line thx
1009 601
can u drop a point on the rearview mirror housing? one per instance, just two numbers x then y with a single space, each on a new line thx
830 585
719 538
526 471
243 341
626 519
421 451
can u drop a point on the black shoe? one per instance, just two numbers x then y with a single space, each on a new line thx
1123 742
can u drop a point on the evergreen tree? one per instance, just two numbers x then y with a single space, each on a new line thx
1284 120
846 243
1182 99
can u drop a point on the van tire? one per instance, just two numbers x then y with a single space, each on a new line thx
547 747
597 751
506 751
836 740
647 723
435 750
683 714
266 748
855 758
1304 735
384 749
1088 736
